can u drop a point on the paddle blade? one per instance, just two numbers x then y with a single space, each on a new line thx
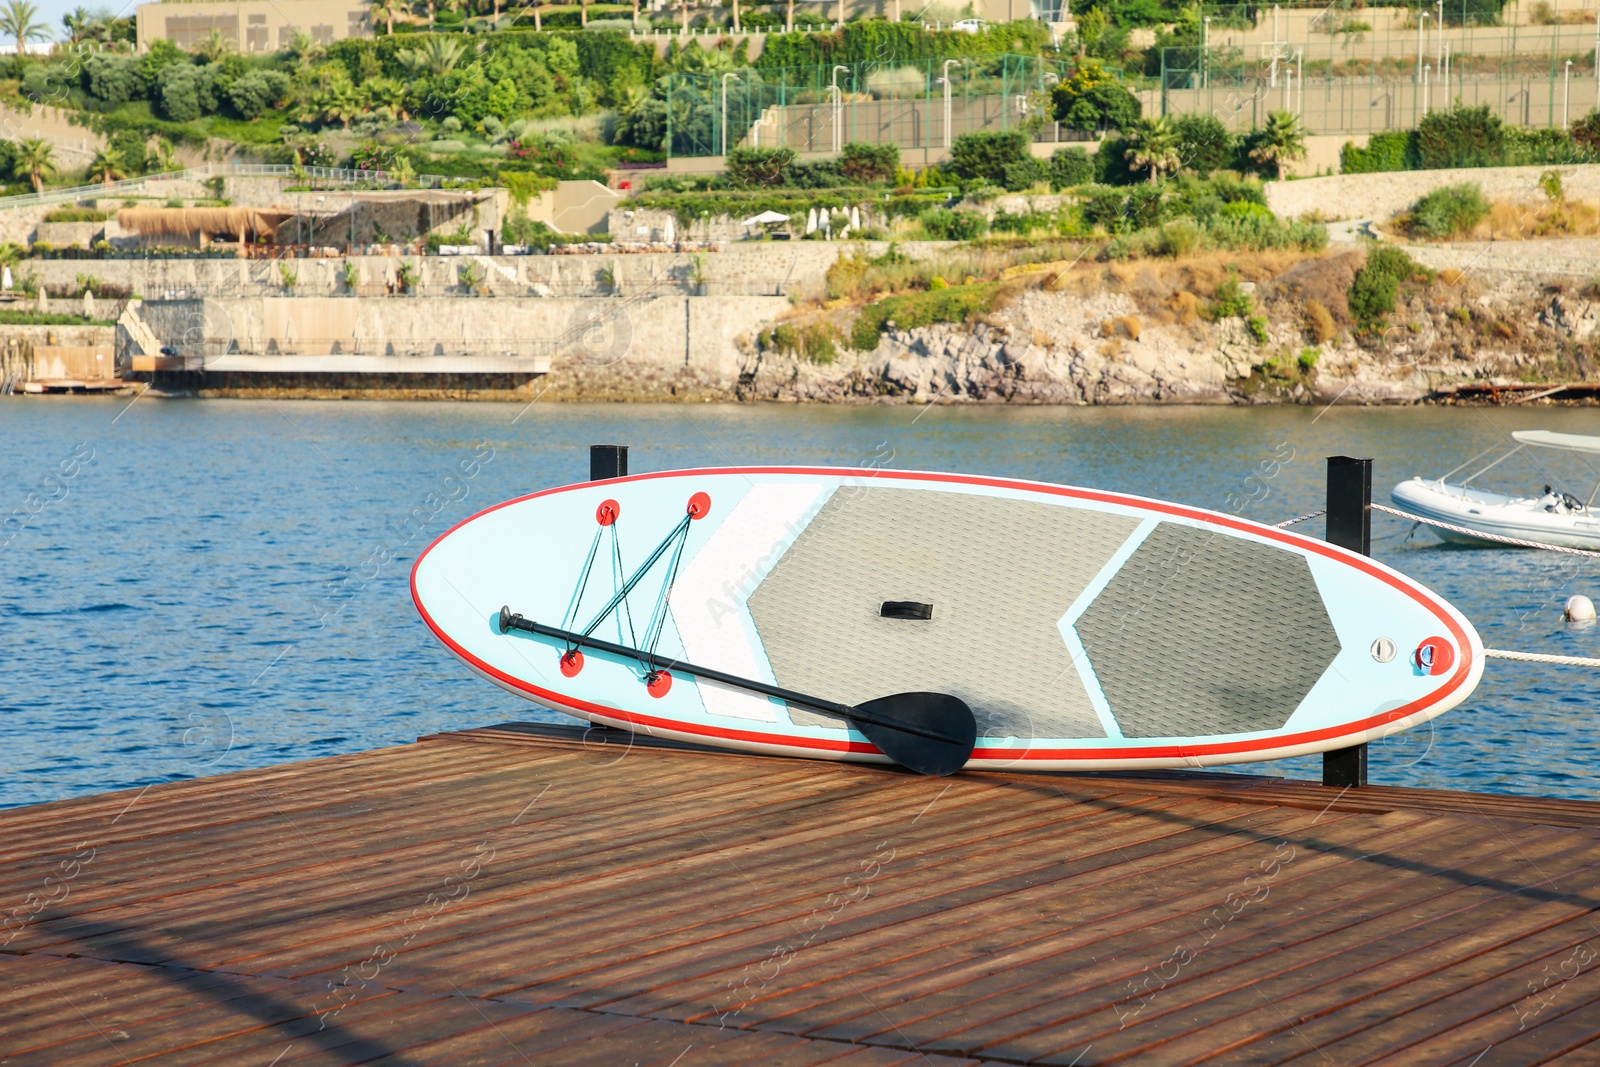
923 713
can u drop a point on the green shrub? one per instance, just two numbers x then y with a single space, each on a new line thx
815 343
758 167
1308 360
1179 238
1069 167
1461 137
76 214
1257 325
1022 223
951 304
942 224
1231 301
1395 150
1377 283
1024 173
986 155
1449 211
868 164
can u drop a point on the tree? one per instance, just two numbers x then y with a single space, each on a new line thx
19 20
1204 143
108 166
1093 99
114 79
1154 147
34 158
257 92
1282 139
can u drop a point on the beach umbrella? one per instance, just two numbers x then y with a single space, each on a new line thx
855 218
811 220
764 218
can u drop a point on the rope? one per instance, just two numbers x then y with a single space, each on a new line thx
1485 536
1302 518
1539 657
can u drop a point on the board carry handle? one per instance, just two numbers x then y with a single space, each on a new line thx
944 720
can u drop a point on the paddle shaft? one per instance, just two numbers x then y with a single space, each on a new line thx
517 622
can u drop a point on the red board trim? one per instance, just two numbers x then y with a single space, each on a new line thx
1462 672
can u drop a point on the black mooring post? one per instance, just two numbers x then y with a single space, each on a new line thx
1349 526
607 461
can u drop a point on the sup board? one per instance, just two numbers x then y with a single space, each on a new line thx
1085 629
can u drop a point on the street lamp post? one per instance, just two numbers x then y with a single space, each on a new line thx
1205 52
946 80
1422 22
838 107
1566 94
725 78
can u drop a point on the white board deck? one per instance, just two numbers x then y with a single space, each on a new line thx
1087 630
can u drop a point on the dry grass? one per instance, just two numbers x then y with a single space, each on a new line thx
1510 221
1185 307
1320 326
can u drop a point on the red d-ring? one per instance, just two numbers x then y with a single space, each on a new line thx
699 506
658 684
608 512
571 663
1434 656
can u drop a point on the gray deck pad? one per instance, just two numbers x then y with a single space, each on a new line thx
999 573
1201 633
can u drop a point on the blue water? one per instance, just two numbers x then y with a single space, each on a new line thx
223 585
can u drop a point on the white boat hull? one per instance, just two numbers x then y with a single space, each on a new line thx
1493 513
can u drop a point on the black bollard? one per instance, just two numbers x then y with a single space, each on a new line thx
607 461
1349 526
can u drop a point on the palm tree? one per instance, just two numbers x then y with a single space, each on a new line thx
19 20
304 48
386 92
1155 146
108 165
214 47
34 159
1282 139
162 158
440 55
385 10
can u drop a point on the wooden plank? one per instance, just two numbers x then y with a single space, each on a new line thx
623 908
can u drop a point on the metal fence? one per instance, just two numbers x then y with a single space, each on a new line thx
214 170
1361 71
915 104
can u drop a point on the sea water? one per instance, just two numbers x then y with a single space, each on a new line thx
189 587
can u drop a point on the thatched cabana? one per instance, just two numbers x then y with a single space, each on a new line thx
190 223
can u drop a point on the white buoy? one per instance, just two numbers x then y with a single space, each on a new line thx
1578 609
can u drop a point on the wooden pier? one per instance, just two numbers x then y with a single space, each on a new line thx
538 896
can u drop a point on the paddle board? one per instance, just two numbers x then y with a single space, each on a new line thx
1086 629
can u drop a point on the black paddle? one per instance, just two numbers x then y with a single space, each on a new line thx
930 733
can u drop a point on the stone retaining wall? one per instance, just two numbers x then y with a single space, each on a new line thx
672 330
1382 196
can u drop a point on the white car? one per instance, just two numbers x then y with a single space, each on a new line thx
969 26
